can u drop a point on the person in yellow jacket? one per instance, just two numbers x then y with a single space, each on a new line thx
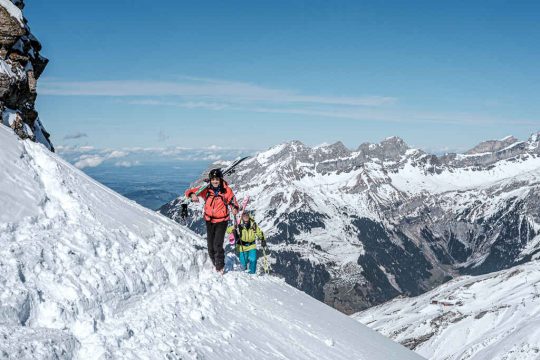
248 231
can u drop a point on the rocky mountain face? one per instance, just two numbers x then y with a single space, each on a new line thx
21 65
357 228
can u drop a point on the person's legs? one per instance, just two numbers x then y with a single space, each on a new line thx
252 255
210 231
219 237
243 256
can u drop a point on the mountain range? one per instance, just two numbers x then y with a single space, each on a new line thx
356 228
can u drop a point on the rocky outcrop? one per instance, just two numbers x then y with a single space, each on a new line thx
390 149
21 65
492 145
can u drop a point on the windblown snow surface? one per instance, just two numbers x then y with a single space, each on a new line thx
489 317
88 274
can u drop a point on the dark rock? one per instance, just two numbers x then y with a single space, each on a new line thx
301 273
21 65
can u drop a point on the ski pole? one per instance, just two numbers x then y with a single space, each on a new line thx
265 261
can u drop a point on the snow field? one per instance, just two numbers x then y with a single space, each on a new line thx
412 179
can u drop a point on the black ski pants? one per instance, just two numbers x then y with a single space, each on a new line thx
215 235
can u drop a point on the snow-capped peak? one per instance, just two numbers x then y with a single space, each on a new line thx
296 145
533 142
509 138
392 148
491 146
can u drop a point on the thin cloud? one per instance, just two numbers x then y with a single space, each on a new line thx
117 154
213 157
399 116
84 157
203 89
63 149
127 164
94 160
184 105
358 113
86 161
74 136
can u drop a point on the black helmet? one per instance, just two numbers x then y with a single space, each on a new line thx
215 173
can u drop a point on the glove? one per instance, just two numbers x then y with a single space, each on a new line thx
184 211
263 243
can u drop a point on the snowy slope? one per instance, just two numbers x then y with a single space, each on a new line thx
488 317
87 274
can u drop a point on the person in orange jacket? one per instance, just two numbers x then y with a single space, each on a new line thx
218 197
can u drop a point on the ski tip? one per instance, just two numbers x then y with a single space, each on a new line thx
231 168
238 161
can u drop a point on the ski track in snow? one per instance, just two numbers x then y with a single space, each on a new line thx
88 274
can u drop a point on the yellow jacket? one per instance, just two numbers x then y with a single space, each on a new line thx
248 234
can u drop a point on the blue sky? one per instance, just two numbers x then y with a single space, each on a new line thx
250 74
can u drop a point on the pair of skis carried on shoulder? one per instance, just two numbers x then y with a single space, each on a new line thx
227 171
234 237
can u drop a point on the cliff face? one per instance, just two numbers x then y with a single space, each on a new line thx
21 65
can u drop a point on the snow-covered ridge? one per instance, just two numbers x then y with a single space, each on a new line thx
413 179
405 172
488 317
398 145
411 171
88 274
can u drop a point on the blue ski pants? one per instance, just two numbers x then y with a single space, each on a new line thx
250 256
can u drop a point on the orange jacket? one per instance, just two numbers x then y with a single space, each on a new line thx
216 207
